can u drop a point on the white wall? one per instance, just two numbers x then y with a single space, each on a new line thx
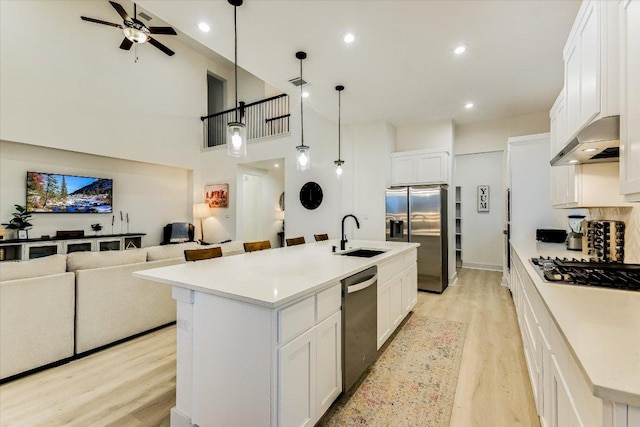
530 185
437 136
369 163
152 195
493 135
482 238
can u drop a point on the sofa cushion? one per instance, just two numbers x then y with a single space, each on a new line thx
54 264
156 253
85 260
232 248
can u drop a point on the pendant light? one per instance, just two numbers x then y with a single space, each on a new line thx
339 162
236 130
304 156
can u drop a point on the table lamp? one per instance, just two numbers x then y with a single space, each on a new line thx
201 210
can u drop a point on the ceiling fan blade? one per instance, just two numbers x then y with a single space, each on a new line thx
97 21
126 44
160 46
120 10
163 30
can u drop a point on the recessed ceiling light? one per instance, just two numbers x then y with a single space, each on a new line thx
204 27
305 94
460 49
589 150
573 161
349 38
276 165
468 105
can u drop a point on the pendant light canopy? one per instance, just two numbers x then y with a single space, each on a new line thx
339 162
304 155
236 130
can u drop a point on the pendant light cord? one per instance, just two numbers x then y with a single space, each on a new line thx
235 38
339 115
301 114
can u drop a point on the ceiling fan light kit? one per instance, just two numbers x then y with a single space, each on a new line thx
135 31
303 162
236 130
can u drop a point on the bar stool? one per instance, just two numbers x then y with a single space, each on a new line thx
321 237
201 254
295 241
257 246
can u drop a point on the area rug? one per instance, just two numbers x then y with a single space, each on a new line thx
412 383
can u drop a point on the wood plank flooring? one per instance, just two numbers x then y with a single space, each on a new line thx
133 384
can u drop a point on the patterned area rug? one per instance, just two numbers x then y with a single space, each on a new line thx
412 383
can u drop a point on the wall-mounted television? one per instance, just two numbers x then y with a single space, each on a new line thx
58 193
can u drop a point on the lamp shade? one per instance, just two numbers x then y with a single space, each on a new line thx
201 210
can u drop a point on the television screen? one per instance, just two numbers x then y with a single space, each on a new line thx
48 192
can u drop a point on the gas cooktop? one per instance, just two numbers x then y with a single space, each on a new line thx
612 275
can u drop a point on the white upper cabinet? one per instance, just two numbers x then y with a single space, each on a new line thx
563 178
419 167
591 66
630 99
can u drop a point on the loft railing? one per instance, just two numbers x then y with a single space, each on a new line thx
267 117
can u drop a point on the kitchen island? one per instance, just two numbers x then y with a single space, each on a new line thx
259 334
582 344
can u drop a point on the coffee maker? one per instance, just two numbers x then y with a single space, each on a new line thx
574 238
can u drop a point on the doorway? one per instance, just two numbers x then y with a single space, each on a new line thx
260 215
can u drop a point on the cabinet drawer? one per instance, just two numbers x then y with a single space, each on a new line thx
410 258
294 320
390 268
328 302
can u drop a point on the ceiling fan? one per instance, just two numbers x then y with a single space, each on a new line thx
135 31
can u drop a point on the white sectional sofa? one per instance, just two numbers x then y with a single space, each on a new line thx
39 300
36 314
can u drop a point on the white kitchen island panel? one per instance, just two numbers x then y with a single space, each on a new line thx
259 334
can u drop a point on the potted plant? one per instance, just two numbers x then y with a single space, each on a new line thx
20 222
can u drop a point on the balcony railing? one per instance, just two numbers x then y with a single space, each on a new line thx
268 117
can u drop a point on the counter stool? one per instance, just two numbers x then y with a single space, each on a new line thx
295 241
257 246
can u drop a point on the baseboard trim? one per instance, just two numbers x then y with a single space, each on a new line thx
453 279
178 419
475 266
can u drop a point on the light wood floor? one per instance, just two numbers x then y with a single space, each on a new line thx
133 384
493 384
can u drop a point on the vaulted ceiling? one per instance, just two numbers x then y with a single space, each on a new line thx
401 67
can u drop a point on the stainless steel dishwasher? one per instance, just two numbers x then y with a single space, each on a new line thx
359 324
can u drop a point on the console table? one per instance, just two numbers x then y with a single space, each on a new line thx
25 249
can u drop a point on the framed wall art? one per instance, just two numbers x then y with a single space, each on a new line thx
483 198
216 195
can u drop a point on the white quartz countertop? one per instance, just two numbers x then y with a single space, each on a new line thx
274 277
601 327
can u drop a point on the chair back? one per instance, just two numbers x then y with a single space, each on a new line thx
295 241
200 254
321 237
257 246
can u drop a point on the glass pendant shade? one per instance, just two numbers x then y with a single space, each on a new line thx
339 168
303 162
236 139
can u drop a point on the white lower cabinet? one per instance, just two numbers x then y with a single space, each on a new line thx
297 400
397 293
564 411
329 360
561 392
310 365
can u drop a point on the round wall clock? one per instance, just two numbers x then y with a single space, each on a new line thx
311 195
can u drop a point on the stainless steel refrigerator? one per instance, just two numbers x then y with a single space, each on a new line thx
419 214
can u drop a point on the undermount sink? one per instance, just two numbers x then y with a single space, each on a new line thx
363 253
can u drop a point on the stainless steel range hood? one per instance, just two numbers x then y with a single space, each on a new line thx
598 142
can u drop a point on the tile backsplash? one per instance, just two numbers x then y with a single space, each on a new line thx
631 218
